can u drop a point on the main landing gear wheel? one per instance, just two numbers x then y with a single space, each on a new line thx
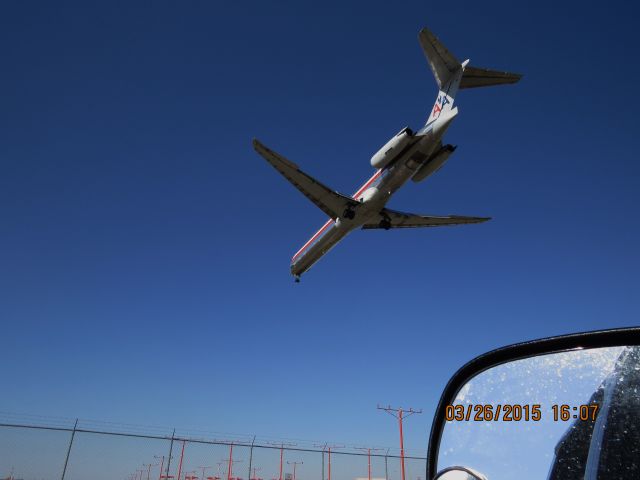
349 213
296 278
385 223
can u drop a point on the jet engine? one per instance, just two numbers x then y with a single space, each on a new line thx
432 165
391 149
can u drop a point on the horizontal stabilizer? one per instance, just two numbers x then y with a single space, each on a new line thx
483 77
329 201
410 220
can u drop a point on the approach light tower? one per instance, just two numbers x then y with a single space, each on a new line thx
282 445
328 449
294 467
219 475
369 450
180 463
203 470
231 461
398 413
161 475
149 465
255 477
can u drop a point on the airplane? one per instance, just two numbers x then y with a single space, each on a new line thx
408 155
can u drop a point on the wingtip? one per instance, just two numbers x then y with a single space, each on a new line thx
271 156
515 77
259 147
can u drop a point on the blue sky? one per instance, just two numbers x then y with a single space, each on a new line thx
146 246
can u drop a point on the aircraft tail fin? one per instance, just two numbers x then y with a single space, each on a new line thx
451 74
447 71
443 63
445 66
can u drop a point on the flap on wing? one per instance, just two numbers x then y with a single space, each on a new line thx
410 220
329 201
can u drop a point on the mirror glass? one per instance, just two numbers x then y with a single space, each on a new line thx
560 416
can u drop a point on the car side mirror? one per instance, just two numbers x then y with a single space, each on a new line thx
556 408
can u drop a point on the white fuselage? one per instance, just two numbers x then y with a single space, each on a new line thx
374 194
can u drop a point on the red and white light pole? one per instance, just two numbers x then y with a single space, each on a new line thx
161 465
180 463
328 448
149 465
166 474
255 469
295 464
231 461
369 450
230 471
397 413
282 445
219 476
203 469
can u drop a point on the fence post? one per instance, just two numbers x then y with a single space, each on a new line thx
386 466
66 460
170 453
250 457
323 464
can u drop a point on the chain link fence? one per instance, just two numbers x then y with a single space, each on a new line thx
42 448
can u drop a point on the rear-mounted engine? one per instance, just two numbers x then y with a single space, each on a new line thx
392 148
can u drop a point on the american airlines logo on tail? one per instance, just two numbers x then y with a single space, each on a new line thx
438 106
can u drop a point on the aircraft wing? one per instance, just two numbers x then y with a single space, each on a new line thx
410 220
329 201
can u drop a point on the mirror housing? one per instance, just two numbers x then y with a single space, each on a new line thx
564 343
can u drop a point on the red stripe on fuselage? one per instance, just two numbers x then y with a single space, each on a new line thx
330 221
317 234
366 185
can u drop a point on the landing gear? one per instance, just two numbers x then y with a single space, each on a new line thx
296 278
385 223
349 213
